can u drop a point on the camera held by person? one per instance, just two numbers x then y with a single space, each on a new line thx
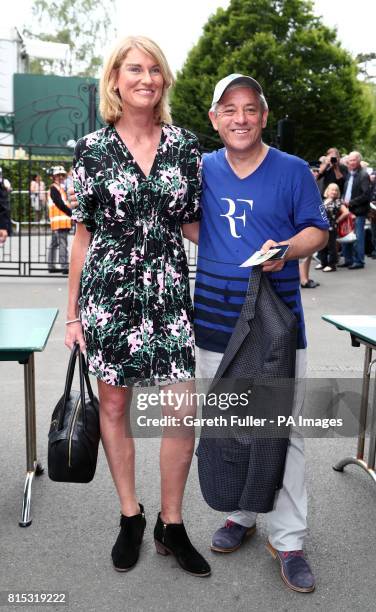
331 171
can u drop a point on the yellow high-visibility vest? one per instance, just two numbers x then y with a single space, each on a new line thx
58 219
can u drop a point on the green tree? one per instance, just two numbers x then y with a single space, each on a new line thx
365 62
366 142
85 25
305 73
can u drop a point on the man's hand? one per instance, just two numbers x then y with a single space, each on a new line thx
303 244
271 266
3 235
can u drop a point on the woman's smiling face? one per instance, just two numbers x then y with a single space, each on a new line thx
139 81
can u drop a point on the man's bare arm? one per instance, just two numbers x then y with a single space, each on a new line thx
191 231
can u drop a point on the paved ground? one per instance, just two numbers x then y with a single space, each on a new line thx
67 547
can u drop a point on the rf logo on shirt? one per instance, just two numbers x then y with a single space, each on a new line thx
231 212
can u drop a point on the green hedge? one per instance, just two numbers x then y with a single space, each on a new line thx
19 173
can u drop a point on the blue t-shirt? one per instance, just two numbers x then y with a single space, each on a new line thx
278 200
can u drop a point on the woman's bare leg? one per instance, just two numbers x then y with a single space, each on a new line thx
176 453
118 443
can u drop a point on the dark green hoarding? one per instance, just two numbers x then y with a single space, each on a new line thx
53 110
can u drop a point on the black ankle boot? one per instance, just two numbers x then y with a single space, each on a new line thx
173 539
126 549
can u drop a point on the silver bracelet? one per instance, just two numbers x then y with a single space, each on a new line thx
72 321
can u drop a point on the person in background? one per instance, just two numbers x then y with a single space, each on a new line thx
304 268
344 159
37 192
69 190
335 211
315 171
5 222
372 213
331 170
305 263
60 220
356 196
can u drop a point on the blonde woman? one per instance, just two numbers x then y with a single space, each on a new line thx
137 183
335 211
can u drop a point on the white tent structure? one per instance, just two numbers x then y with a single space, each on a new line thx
14 54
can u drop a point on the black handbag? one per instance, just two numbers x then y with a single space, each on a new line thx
74 433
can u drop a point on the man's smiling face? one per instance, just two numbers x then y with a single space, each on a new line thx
239 119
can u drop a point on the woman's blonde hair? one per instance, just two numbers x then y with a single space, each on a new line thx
329 186
110 104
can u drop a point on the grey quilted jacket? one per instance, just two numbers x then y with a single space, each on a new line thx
240 466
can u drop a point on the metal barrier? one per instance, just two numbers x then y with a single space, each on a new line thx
25 253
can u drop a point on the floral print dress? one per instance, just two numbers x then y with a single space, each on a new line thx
135 303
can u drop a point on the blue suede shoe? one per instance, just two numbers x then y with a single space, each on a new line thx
295 571
230 537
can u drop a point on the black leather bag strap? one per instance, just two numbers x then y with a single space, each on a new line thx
82 387
252 292
84 378
68 382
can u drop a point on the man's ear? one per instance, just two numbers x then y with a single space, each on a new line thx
264 119
213 119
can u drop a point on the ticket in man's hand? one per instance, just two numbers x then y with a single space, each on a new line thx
259 258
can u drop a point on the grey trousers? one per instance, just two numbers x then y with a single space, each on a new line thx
287 523
59 242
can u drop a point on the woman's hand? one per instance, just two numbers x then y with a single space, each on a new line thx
75 334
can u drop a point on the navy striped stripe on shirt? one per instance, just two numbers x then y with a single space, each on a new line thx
217 304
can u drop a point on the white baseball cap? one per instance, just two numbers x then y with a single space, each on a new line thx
58 170
232 79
